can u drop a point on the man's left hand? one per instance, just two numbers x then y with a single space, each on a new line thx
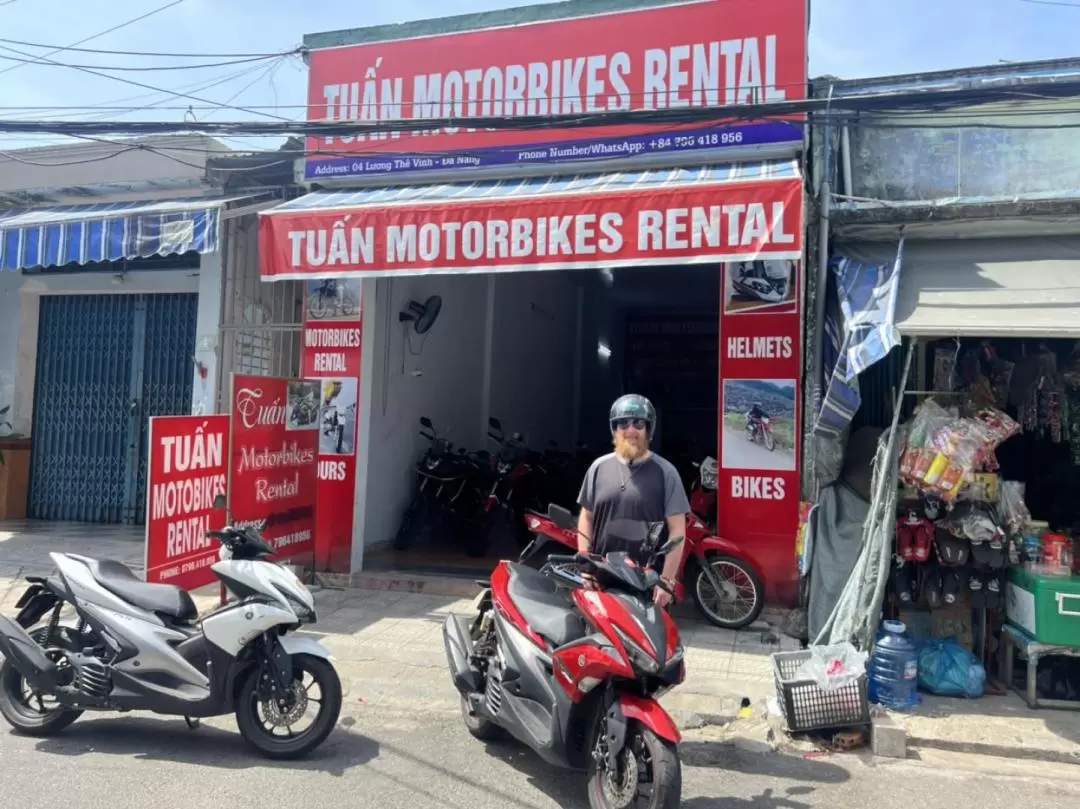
661 597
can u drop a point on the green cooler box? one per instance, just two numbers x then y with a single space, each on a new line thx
1045 607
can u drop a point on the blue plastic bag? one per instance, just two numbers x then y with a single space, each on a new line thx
947 669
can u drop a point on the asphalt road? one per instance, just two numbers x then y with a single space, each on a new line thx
741 454
390 760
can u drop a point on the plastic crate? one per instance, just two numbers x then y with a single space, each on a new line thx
807 706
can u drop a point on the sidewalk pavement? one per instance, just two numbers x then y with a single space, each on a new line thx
388 643
389 650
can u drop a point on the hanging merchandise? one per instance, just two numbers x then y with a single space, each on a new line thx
976 385
1012 507
1001 374
942 451
1041 408
944 367
914 537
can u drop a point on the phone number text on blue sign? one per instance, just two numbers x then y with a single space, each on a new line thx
592 150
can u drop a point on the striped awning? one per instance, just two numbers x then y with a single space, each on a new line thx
108 231
534 187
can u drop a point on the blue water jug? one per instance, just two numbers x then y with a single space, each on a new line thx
893 678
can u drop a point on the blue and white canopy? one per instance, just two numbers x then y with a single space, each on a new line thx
108 231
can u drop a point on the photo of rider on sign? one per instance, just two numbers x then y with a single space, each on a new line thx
188 468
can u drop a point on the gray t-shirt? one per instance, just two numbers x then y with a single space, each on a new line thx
622 497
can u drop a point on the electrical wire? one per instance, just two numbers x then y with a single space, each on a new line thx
145 86
98 35
832 109
152 68
154 54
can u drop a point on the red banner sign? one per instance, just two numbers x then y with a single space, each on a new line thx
690 55
685 224
760 416
331 359
275 439
187 469
331 349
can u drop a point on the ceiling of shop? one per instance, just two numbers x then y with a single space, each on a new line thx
659 286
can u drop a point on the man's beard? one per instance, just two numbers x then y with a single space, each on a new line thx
631 450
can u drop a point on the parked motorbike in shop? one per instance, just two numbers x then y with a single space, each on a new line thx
574 673
761 432
443 476
142 647
517 485
726 588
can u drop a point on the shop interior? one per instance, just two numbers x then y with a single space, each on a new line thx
543 354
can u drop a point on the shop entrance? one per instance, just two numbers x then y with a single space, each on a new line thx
543 354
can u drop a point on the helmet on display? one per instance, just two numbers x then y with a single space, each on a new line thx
757 405
633 406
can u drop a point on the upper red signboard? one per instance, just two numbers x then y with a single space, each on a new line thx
696 54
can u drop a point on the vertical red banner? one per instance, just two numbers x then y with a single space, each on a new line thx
187 468
760 413
331 359
273 458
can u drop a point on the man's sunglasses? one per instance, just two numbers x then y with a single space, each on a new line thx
637 424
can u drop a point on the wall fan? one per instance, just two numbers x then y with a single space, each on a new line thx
422 315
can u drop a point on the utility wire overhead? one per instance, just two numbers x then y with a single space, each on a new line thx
143 85
98 35
927 101
147 68
154 54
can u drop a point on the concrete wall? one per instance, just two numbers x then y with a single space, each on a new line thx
439 375
533 365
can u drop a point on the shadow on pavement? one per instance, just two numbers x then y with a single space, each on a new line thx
171 740
769 799
560 785
727 756
568 787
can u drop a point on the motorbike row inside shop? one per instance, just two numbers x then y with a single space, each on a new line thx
480 501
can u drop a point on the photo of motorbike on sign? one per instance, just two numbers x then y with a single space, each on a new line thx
338 431
759 286
303 405
759 424
333 299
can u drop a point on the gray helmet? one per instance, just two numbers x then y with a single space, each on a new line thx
633 406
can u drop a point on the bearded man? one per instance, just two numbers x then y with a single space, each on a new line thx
629 487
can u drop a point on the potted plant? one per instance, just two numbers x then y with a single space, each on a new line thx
14 469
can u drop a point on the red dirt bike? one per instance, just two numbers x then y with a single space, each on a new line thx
724 580
762 433
574 673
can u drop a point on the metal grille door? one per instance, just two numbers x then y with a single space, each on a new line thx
105 364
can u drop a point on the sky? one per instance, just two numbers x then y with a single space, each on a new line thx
848 39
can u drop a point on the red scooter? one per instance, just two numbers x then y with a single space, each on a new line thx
725 584
575 672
